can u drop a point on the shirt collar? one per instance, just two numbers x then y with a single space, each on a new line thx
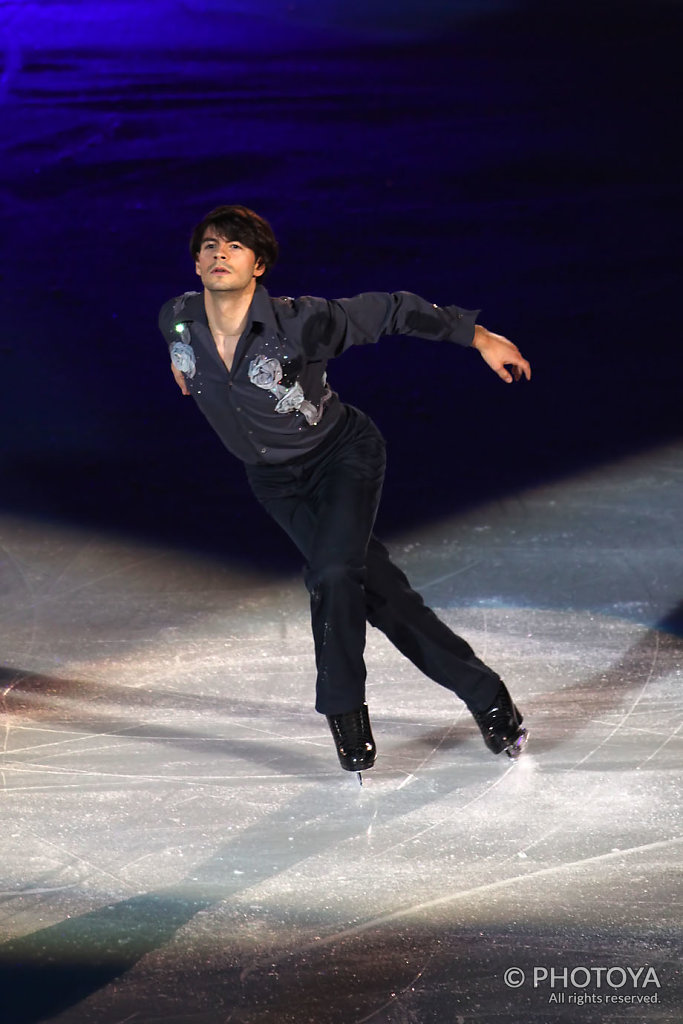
260 311
192 309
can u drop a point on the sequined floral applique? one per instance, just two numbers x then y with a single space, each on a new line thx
267 373
182 353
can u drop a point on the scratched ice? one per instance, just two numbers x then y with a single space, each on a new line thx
179 838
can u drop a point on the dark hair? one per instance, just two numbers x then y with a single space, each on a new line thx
239 224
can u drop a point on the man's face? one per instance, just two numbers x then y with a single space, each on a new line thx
226 266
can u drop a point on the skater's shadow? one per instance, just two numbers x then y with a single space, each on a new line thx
131 714
452 736
655 654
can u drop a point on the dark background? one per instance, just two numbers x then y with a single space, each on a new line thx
519 157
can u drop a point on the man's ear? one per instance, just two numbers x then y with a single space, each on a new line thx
259 267
196 269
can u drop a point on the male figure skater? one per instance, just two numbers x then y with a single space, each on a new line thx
256 366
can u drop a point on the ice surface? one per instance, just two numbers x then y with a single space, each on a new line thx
179 842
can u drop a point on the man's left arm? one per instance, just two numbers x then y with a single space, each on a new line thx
365 318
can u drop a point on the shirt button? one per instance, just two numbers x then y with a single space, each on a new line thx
263 451
238 408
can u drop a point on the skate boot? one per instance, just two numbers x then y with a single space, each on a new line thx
353 738
501 725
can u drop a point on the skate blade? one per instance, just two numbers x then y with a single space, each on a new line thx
516 748
360 778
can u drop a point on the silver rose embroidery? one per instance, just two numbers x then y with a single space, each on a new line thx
182 353
292 400
266 373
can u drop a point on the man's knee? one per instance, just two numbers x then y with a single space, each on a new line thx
334 575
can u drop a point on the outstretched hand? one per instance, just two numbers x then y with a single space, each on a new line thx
500 353
180 380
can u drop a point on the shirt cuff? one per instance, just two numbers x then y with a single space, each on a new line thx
464 329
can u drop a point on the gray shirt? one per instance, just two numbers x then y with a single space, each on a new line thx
275 405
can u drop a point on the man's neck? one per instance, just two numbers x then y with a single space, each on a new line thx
227 311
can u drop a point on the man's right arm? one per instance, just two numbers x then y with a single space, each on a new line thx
167 328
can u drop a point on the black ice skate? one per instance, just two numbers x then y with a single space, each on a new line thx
353 738
501 725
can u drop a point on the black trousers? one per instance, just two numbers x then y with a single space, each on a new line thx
327 505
